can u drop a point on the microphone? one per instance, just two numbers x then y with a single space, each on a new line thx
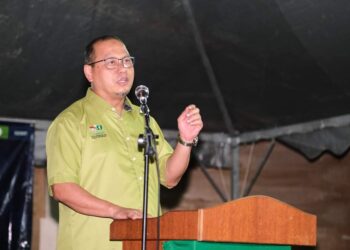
142 93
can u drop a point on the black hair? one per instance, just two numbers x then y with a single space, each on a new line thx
89 49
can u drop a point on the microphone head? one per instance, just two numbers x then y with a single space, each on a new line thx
142 93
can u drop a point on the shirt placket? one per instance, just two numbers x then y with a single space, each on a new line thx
132 148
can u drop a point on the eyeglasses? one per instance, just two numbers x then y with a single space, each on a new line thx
113 62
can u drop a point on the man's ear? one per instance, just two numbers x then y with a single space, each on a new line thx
88 72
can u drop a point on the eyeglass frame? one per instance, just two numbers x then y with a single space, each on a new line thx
119 59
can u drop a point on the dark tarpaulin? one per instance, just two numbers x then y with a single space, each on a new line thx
314 144
16 169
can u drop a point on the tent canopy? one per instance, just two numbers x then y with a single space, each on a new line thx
249 65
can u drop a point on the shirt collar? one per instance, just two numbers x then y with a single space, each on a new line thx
102 104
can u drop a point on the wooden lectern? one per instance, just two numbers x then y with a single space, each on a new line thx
253 219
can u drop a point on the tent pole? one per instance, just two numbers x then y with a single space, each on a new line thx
235 173
208 67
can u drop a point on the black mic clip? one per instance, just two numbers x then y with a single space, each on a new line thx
144 109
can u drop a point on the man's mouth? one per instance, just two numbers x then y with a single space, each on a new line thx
122 80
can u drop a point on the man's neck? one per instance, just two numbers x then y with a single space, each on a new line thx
117 101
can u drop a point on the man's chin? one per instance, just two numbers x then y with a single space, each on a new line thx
123 94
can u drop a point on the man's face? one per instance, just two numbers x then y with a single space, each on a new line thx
110 84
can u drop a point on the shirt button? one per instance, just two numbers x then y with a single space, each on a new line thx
113 109
133 159
140 178
128 138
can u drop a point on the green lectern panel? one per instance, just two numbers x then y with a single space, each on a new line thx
201 245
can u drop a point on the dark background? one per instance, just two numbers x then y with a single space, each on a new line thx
275 62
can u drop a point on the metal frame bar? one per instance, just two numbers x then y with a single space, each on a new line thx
260 168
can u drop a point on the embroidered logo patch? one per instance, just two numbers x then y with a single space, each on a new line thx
97 131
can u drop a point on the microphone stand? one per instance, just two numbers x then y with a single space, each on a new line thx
146 141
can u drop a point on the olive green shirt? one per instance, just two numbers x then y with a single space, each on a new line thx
91 145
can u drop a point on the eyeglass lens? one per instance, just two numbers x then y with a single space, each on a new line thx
112 62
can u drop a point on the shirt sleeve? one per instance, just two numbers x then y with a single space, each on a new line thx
63 151
164 150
